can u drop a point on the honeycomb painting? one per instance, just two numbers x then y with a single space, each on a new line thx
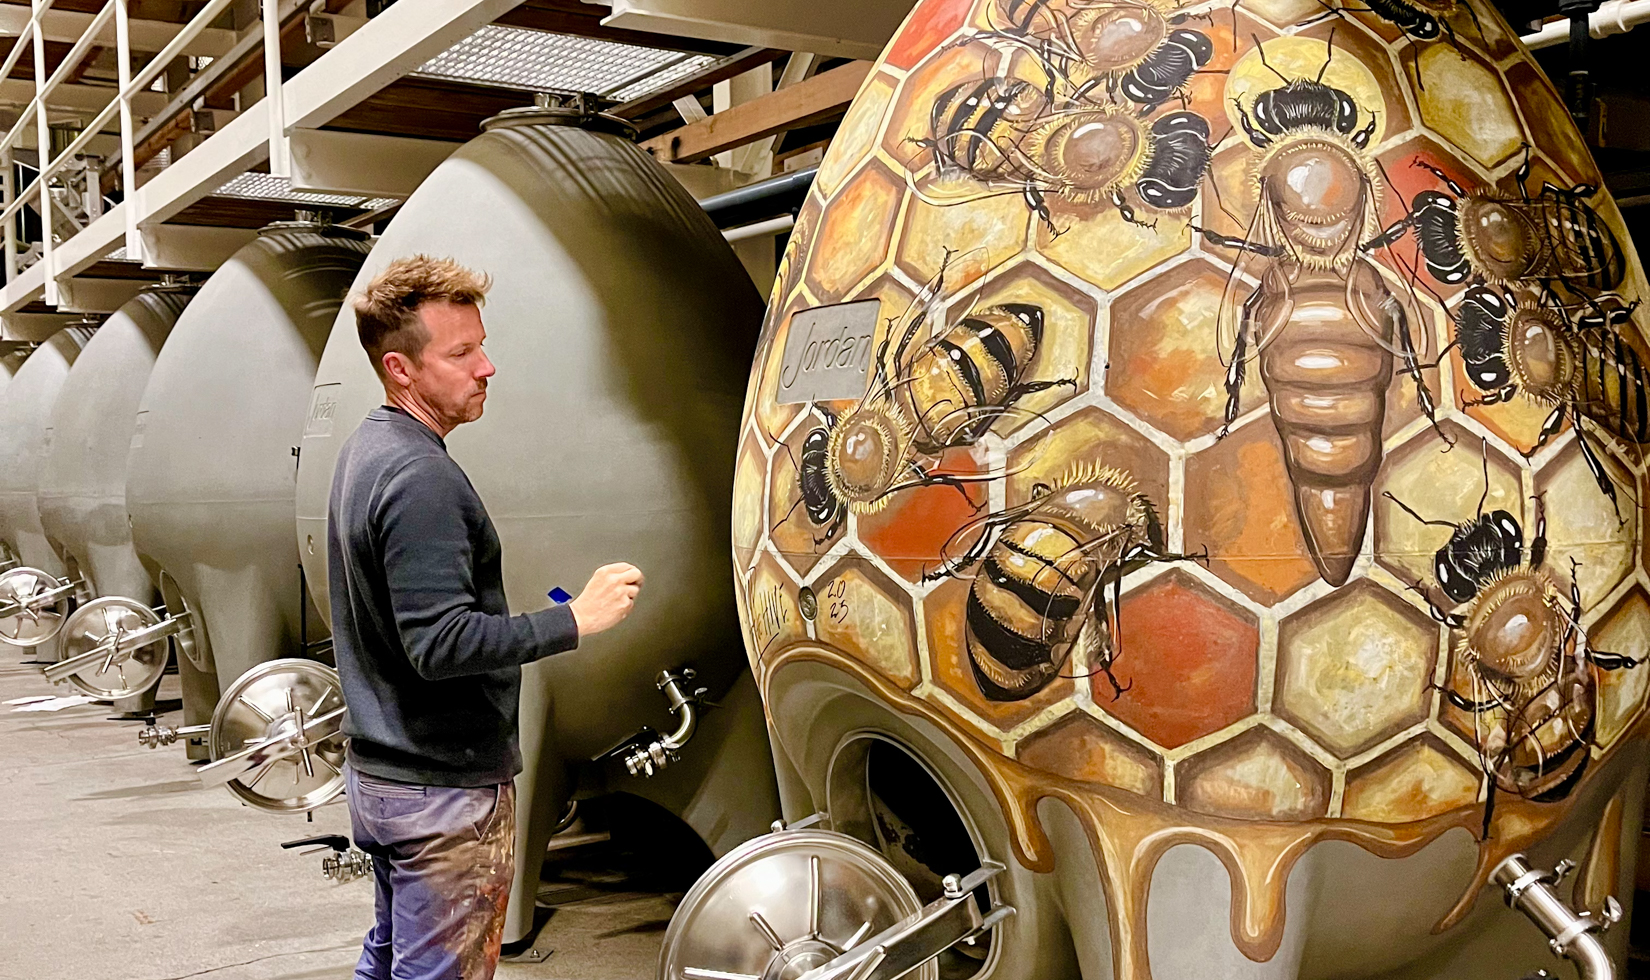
1233 406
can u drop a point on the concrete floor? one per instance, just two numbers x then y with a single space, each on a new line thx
118 865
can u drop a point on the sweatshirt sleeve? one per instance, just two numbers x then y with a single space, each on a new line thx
425 518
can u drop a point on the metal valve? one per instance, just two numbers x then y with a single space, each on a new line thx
1569 934
345 863
647 753
154 735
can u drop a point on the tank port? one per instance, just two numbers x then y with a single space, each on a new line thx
647 753
154 736
1569 934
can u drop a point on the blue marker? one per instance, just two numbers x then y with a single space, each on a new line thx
558 594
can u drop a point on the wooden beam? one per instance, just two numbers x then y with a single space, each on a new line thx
734 64
803 104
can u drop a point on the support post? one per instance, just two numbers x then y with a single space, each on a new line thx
280 163
128 157
43 135
8 189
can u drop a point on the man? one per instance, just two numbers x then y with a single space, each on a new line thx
429 654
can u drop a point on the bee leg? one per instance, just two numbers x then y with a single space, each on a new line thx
1465 703
1238 366
1605 660
1496 397
1038 203
1489 808
1453 620
1596 467
1127 212
1448 181
1523 174
1258 138
1538 544
1549 428
1412 365
1242 244
1390 236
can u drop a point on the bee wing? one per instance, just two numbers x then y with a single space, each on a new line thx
1249 265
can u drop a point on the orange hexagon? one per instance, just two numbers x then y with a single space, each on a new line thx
1258 775
967 238
1164 363
1185 661
855 233
912 530
1418 779
1441 483
1355 668
857 135
860 611
945 613
1241 509
929 24
1079 747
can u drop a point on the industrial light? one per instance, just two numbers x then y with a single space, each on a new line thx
266 187
543 62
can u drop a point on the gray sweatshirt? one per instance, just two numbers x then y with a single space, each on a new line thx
429 654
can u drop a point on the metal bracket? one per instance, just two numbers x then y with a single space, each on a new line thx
647 753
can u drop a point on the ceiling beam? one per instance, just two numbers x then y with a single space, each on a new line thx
147 35
585 20
734 64
803 104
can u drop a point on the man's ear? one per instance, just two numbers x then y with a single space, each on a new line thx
395 368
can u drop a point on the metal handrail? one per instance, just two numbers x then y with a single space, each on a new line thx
129 85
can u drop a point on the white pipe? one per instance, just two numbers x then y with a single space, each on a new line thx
43 139
772 226
1612 17
128 151
280 160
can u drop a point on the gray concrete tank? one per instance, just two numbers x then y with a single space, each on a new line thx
25 432
621 325
210 473
82 483
12 355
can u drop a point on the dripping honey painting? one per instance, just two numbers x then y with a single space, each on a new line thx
1208 439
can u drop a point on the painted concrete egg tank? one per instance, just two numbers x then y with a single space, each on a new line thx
621 326
82 482
1207 440
210 472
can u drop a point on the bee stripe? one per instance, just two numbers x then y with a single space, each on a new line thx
966 367
1052 607
1019 549
1009 648
995 344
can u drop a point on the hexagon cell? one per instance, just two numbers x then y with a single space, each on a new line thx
1199 381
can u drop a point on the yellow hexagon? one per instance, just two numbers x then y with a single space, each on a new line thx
1621 693
1106 250
862 613
1441 484
1256 776
1465 102
967 238
1355 668
1582 525
1416 780
854 235
748 478
857 134
1302 57
1068 336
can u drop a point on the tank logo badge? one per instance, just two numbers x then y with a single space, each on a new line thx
828 353
323 408
138 428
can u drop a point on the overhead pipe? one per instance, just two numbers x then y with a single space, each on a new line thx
1571 935
764 199
1612 17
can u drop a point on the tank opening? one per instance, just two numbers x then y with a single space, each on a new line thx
918 829
621 843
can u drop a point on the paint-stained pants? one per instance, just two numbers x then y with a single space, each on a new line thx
443 858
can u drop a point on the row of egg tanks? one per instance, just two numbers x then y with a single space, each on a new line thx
164 480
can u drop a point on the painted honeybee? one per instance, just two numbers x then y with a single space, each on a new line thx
1583 368
1323 323
1533 694
924 399
1045 566
1132 48
999 130
1553 239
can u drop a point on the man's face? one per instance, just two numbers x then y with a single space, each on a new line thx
450 375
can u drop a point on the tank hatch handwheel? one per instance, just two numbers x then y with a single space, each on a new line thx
816 905
277 737
113 647
33 605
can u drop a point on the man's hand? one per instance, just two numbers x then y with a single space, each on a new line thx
607 598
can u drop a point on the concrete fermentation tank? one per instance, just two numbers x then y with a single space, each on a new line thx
37 595
12 355
621 325
1227 519
210 491
82 502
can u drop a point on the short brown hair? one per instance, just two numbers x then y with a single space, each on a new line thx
386 312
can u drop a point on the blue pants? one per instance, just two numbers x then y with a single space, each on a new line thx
443 858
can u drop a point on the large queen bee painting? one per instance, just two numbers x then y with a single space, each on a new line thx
1251 425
